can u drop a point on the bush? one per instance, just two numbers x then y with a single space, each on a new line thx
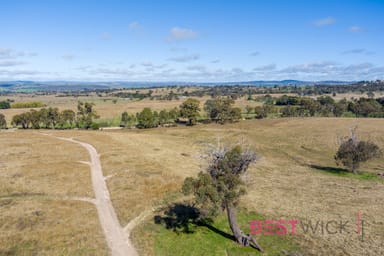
3 122
4 105
352 152
95 126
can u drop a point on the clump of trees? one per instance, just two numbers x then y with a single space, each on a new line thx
127 120
3 122
221 110
353 151
190 109
5 105
52 118
325 106
146 119
221 185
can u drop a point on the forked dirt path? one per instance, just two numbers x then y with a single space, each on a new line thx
117 239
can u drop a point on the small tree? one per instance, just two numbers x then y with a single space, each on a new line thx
85 114
67 117
190 109
124 119
3 122
352 152
221 186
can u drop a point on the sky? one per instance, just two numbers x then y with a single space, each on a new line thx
191 40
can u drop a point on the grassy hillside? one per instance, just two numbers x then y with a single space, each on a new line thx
296 177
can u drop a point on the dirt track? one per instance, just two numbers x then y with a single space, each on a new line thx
117 239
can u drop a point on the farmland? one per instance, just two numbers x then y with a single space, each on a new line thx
44 184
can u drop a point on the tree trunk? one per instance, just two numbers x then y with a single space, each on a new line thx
240 237
354 168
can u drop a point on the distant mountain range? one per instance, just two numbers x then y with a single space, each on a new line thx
32 86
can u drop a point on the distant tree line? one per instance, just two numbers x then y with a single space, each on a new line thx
325 106
33 104
219 109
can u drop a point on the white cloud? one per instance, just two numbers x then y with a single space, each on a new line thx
324 22
197 68
185 58
68 57
105 36
177 33
13 73
178 49
149 64
6 53
134 26
328 70
253 54
215 61
358 51
265 68
355 29
11 63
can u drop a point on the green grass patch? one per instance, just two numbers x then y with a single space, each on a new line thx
345 173
213 239
114 122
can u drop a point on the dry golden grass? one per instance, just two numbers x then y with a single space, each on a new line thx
40 187
281 185
147 167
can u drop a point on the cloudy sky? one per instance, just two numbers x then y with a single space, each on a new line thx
191 40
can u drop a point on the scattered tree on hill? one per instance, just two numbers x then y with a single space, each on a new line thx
221 110
124 119
35 119
221 186
67 118
5 105
174 114
127 120
146 119
85 114
52 117
190 110
352 152
3 122
23 119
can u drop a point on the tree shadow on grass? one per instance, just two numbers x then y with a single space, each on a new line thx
184 218
330 169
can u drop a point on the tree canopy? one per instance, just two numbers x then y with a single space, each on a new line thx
190 109
221 185
352 152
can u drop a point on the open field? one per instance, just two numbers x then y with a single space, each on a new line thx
43 192
41 180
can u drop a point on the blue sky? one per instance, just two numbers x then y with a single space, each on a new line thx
191 40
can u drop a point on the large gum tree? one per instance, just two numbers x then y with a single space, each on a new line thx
221 186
